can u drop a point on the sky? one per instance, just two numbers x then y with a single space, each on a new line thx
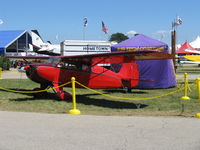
58 20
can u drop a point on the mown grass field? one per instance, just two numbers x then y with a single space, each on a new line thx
189 68
91 103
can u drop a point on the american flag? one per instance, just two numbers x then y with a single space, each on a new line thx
104 28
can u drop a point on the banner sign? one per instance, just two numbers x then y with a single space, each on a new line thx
161 48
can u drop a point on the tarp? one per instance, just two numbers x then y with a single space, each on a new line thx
1 51
152 73
184 47
140 42
156 74
196 43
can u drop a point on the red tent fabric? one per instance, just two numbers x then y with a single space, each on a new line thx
184 46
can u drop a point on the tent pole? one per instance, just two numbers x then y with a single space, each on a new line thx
173 45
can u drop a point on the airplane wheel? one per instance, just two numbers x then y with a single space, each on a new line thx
127 89
63 95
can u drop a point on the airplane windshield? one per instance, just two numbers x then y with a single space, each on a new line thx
56 62
53 60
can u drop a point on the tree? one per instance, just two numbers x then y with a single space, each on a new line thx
118 37
4 63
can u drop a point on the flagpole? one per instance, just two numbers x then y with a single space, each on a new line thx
84 33
84 26
175 25
107 36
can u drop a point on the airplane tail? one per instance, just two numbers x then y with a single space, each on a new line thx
37 41
130 74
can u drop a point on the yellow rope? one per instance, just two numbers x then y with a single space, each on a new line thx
114 97
123 98
15 91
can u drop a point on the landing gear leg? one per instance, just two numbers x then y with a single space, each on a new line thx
61 93
128 89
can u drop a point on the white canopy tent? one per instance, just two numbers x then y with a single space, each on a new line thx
196 43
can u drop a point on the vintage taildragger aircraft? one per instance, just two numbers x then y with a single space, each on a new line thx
88 70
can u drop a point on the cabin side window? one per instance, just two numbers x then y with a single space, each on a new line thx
54 61
75 66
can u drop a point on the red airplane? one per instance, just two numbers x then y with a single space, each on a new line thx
87 70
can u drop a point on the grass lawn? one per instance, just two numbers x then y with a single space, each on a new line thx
91 103
189 68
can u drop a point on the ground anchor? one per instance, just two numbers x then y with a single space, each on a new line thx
185 98
74 112
197 115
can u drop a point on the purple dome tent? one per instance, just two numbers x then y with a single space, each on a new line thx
153 73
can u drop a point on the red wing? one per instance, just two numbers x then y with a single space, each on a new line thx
116 57
29 57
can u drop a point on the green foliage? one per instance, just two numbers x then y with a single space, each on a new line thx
4 63
118 37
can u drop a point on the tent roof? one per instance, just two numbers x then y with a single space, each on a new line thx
9 36
196 43
184 46
139 42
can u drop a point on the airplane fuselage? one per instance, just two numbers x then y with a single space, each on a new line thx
98 77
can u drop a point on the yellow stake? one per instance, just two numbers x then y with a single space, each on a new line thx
185 97
197 115
198 88
74 111
0 73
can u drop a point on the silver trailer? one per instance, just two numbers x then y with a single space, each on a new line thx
78 47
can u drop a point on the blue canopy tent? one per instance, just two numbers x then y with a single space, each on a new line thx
14 41
153 73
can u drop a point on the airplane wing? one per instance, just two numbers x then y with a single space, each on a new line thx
28 57
195 58
116 57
